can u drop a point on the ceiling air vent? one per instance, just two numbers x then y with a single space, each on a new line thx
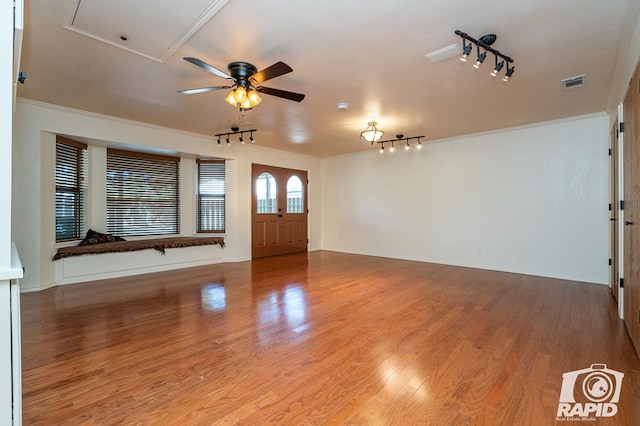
444 53
574 82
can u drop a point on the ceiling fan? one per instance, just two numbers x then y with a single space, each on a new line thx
246 80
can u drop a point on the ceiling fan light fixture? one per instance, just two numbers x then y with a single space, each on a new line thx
254 98
240 94
244 76
246 104
371 133
231 99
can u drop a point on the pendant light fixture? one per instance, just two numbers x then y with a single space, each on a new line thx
371 133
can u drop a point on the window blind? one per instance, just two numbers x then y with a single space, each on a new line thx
142 193
211 191
71 158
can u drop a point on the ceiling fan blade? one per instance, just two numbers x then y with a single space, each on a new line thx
292 96
209 68
203 90
275 70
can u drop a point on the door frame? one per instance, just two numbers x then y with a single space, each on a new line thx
281 232
613 208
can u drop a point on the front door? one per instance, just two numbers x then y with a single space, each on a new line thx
279 211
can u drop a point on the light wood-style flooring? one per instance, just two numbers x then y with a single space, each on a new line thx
318 339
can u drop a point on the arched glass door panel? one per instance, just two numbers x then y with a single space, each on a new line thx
266 193
295 195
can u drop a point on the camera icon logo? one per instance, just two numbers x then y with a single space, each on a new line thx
592 391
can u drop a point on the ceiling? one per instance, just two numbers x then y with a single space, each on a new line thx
370 55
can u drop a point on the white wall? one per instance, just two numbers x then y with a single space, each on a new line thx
6 95
34 165
531 200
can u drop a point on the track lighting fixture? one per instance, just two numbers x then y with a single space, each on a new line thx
485 43
401 138
236 131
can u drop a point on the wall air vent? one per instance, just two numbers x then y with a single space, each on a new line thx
574 82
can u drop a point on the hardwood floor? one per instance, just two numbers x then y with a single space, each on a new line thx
318 338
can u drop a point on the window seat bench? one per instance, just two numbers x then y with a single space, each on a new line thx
159 244
127 258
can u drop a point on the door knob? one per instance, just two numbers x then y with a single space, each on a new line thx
626 222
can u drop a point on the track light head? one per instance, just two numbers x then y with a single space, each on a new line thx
480 60
466 51
498 67
508 74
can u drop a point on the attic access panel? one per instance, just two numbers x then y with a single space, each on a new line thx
153 29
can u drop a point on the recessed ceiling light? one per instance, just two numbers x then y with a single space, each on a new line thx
343 105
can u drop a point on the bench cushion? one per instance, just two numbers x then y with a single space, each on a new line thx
159 244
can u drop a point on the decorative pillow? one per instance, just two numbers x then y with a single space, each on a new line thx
94 237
